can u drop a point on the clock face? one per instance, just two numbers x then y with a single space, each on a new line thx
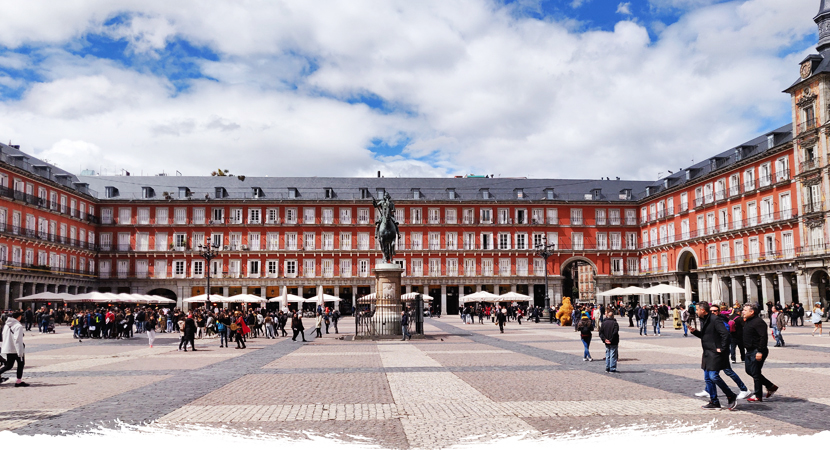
806 69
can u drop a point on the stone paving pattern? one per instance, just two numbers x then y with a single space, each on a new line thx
460 384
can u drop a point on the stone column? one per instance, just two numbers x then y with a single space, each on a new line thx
737 290
724 288
805 291
767 287
337 294
751 289
443 299
244 289
704 290
225 291
408 289
785 288
7 301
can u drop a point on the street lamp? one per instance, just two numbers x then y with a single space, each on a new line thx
208 252
545 251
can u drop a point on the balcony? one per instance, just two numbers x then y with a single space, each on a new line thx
807 125
813 207
809 165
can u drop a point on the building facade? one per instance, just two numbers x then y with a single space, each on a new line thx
751 220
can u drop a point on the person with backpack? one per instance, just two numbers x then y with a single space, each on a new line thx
586 328
609 333
222 325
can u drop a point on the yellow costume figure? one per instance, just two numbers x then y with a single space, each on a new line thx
676 316
564 313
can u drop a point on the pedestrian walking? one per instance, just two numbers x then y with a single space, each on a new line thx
12 349
609 333
656 320
405 325
684 317
642 320
778 325
586 328
188 327
335 316
319 325
815 318
501 318
676 318
757 350
222 325
150 328
714 310
714 339
297 326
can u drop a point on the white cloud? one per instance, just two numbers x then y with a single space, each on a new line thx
624 8
484 91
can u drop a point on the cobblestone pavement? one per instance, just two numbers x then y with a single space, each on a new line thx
460 384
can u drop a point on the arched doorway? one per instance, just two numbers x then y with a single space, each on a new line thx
166 293
578 279
686 263
820 288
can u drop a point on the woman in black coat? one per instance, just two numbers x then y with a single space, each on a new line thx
714 339
297 326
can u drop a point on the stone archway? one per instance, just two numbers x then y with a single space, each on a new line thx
686 263
579 279
162 292
819 288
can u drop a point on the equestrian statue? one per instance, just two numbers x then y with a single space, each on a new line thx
386 227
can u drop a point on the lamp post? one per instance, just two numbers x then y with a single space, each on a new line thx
545 251
208 252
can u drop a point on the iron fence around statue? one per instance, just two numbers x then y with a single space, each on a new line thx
378 317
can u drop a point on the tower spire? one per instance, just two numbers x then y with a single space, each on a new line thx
822 19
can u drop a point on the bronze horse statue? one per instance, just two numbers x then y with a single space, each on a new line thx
386 227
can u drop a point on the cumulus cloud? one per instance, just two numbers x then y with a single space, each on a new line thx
624 8
469 87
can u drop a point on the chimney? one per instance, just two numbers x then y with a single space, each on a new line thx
378 173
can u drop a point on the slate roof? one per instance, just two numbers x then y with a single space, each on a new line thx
13 156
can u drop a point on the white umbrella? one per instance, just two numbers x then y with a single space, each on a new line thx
244 298
665 289
43 296
688 290
515 297
368 297
633 290
329 298
612 292
717 290
411 296
160 300
203 298
481 296
92 297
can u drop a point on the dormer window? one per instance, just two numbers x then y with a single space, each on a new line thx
416 194
451 194
596 194
257 192
550 194
520 193
220 192
111 192
771 141
184 192
648 191
364 194
625 194
485 194
147 192
293 193
329 192
379 192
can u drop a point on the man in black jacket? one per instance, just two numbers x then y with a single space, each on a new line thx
609 332
714 339
501 318
755 341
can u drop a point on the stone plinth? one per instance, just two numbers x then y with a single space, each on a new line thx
387 317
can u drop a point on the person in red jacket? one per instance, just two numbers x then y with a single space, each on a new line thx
241 329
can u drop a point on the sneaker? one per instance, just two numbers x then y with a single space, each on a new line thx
608 370
754 400
3 380
590 359
584 359
21 384
733 403
711 405
743 395
702 394
771 391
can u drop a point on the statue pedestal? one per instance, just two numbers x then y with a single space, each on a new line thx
388 293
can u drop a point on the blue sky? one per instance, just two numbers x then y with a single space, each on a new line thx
434 88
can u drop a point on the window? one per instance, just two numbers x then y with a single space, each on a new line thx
785 206
309 268
415 216
327 267
179 269
162 216
362 216
782 169
450 216
467 216
236 216
254 241
179 241
291 216
616 241
614 216
363 241
235 241
521 241
553 216
106 216
711 226
160 268
143 216
434 216
199 216
272 241
345 216
631 241
600 216
469 267
602 241
504 267
751 214
538 217
272 268
180 216
290 268
253 269
754 249
452 241
749 180
767 210
273 216
737 217
764 175
345 241
643 214
106 242
487 241
254 216
723 220
451 194
707 193
217 216
576 241
670 232
487 267
684 201
198 239
416 241
486 215
328 241
787 244
504 216
739 250
363 268
617 266
309 241
521 216
576 217
632 266
469 241
769 244
328 216
345 268
417 267
504 241
521 267
452 267
434 241
291 241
